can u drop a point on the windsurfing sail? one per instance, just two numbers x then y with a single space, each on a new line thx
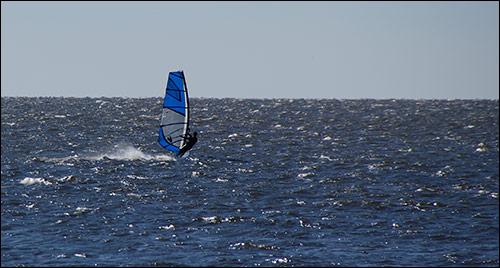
174 122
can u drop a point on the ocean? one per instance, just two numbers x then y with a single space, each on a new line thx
271 182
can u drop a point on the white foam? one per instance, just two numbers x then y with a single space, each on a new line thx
245 170
280 260
481 147
66 178
119 152
325 157
81 210
130 153
135 177
212 219
31 181
305 175
171 226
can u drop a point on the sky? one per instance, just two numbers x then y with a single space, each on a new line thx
340 50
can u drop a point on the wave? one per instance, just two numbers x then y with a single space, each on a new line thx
124 152
130 153
31 181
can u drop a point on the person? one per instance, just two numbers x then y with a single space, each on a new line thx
189 141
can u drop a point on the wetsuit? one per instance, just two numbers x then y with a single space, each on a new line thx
190 142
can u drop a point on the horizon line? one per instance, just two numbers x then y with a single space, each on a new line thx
250 98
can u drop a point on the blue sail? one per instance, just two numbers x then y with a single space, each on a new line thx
174 121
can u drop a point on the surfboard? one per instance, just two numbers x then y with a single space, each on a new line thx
174 121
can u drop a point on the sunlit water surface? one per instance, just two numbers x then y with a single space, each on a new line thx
270 183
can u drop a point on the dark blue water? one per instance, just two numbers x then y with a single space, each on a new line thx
270 183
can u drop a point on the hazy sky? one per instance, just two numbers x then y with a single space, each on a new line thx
252 49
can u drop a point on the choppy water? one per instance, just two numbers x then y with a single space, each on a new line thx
270 183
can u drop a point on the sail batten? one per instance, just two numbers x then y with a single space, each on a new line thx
174 121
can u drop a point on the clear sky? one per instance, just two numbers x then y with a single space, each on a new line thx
345 50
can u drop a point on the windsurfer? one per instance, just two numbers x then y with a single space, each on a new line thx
190 141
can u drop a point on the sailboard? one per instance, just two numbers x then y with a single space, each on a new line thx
174 121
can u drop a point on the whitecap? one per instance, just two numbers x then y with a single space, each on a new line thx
440 173
234 135
213 219
305 175
280 260
171 226
302 224
129 153
445 171
327 138
31 181
250 245
325 157
66 178
481 147
135 177
81 210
